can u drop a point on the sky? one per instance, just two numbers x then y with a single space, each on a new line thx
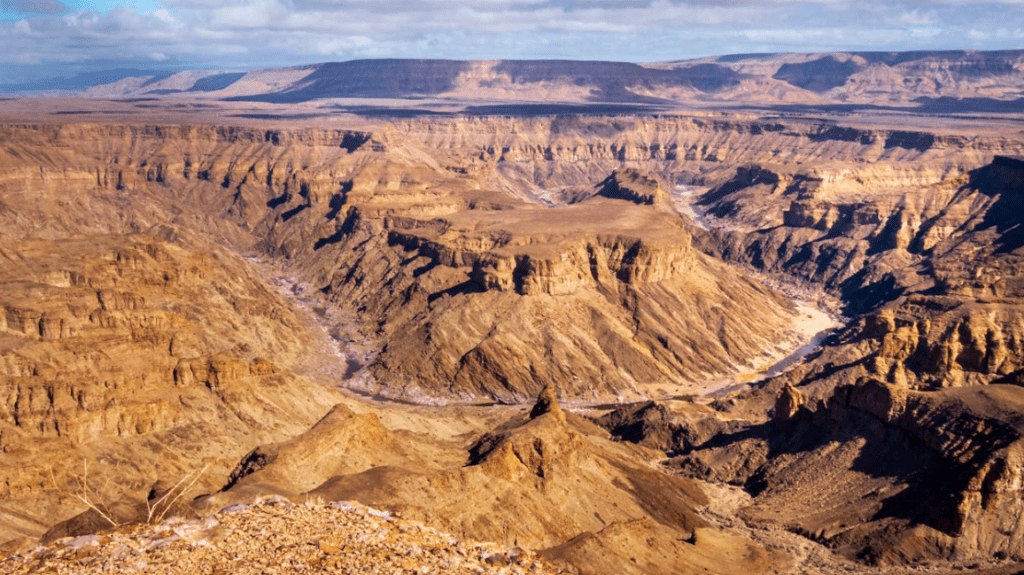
62 38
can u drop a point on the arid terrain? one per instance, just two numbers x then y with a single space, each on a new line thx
758 314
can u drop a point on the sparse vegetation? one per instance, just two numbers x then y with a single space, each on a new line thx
158 508
88 497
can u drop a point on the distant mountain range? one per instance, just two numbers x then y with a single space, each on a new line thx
948 81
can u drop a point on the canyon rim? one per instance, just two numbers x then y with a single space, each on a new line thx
757 313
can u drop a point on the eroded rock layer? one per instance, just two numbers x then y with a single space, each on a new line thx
143 338
471 286
121 357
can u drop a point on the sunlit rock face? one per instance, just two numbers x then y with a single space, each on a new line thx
185 295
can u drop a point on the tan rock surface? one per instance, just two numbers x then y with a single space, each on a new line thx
479 263
423 244
122 354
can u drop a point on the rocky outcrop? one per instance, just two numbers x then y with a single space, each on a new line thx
342 442
934 270
649 424
465 293
788 403
633 186
673 428
953 319
547 402
896 475
973 433
947 320
112 345
968 344
605 259
272 532
545 482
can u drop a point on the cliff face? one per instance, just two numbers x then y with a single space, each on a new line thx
930 254
141 355
419 207
129 320
633 186
902 431
488 258
429 228
980 446
482 303
420 235
977 446
91 324
880 473
930 81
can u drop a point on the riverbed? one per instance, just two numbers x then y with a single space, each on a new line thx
816 319
344 354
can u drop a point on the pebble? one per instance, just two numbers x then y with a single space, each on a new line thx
272 535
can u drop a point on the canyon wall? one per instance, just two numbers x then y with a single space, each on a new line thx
486 258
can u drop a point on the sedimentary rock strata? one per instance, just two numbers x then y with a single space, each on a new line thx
180 297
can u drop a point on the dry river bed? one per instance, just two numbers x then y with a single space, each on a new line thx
343 354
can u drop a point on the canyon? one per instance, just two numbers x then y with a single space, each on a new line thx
561 332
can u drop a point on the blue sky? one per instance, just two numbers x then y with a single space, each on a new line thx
40 38
18 10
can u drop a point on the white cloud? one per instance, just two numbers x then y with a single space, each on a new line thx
919 18
164 15
341 45
925 33
22 28
264 33
251 14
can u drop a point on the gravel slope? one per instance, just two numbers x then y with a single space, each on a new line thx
274 535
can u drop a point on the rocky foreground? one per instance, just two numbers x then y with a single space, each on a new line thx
274 535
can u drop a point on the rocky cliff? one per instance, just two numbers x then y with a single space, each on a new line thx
139 345
880 473
422 241
120 356
926 81
167 286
